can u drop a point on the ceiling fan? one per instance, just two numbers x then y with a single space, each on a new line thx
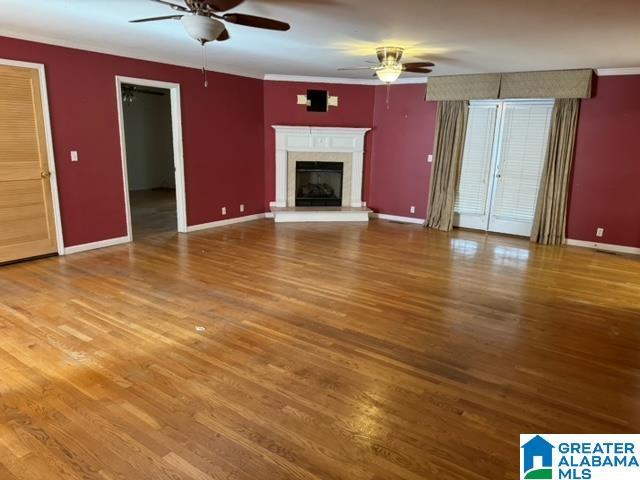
389 66
204 19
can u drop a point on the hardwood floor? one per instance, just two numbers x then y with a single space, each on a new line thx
379 352
153 212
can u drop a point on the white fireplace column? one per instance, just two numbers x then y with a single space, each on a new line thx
319 139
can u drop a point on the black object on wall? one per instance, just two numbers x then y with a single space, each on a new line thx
317 101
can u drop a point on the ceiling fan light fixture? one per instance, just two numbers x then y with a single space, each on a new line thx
389 55
201 28
389 73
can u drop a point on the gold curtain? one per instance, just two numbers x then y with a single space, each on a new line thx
451 129
550 220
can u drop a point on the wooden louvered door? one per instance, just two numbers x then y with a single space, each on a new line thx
27 226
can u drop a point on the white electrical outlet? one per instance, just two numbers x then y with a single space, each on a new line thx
413 209
74 156
429 158
224 210
600 232
242 207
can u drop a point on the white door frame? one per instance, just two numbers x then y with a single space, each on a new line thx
178 156
55 199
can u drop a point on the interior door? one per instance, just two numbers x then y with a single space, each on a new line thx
522 148
26 208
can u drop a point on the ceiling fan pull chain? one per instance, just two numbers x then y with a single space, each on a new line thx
204 64
388 93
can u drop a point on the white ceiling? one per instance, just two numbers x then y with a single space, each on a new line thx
461 36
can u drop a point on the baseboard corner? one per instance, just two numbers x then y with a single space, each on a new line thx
84 247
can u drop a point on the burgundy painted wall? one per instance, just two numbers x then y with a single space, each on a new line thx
402 140
356 104
222 168
605 191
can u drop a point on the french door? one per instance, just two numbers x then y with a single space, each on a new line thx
504 154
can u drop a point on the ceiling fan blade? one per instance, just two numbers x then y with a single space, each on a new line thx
223 36
221 5
172 5
257 22
418 64
155 19
418 70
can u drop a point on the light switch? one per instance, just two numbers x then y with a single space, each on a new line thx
74 156
429 158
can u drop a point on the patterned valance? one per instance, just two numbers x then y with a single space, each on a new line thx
464 87
550 84
553 84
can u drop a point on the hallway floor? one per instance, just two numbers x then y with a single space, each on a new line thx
153 211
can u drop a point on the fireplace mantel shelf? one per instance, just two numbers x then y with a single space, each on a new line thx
310 130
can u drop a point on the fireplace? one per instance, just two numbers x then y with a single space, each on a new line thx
319 184
318 174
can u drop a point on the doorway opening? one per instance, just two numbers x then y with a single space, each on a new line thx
151 140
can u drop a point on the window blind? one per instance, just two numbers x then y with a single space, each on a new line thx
476 161
522 151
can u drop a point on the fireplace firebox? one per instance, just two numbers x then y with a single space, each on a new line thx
319 184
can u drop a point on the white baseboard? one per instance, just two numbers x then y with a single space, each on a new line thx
268 215
94 245
397 218
223 223
607 247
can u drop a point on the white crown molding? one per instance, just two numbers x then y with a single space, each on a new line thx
272 77
607 247
121 53
609 72
146 56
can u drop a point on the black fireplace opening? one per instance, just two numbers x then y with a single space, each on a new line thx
319 184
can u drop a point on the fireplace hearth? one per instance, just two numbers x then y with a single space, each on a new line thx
319 184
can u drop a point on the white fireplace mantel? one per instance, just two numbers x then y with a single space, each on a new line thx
319 139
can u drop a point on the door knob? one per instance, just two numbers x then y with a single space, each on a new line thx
45 174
